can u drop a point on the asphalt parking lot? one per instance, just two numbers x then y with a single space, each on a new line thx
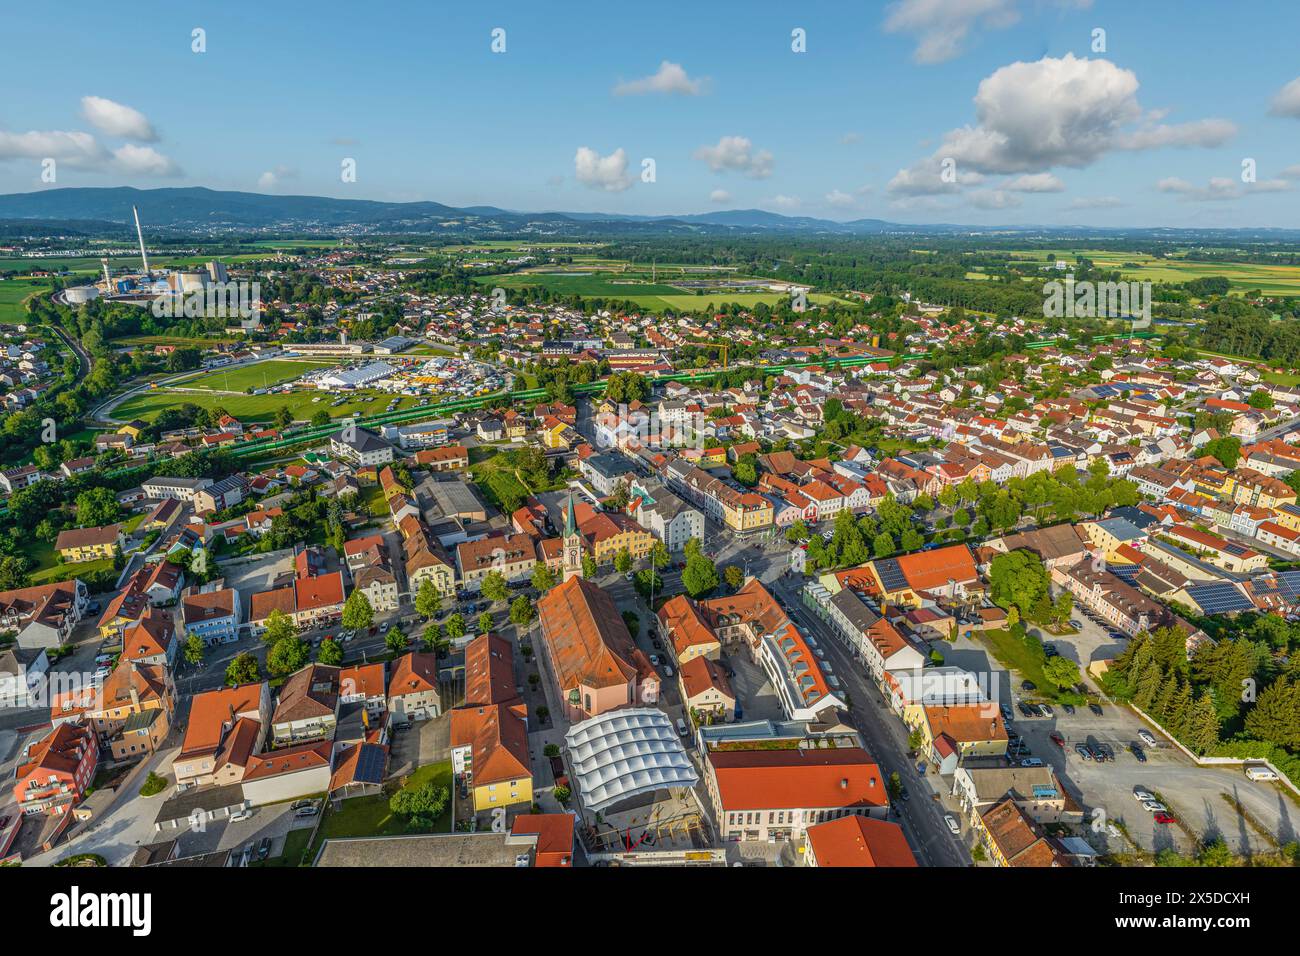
1194 794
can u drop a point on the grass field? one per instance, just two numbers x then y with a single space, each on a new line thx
251 408
13 293
1018 655
259 375
205 342
1242 276
498 482
655 297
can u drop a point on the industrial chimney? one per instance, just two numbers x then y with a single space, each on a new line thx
144 256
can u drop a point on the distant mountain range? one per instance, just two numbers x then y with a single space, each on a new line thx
198 210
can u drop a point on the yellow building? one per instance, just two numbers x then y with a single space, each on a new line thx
89 544
747 512
712 457
967 730
608 533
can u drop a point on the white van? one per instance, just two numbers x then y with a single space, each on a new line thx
681 727
1259 772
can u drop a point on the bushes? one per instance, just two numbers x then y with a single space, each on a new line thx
153 785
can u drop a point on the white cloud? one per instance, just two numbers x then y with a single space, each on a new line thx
993 199
274 177
927 179
117 119
143 161
1096 202
669 78
720 196
942 27
848 139
786 202
75 148
1220 188
1291 172
602 172
736 153
1035 183
1286 102
840 199
1067 111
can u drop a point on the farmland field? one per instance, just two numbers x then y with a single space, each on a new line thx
634 287
1242 276
12 294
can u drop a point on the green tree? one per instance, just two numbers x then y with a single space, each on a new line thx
97 506
432 636
428 602
521 612
331 652
589 569
358 615
883 546
1017 577
1276 714
659 556
287 656
283 417
194 649
485 622
1061 671
494 586
279 626
734 576
456 627
242 670
396 640
543 579
421 806
623 561
321 418
700 576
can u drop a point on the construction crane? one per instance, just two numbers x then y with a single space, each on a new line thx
724 346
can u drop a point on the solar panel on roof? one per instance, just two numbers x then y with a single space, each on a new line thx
370 765
1219 598
891 575
1125 572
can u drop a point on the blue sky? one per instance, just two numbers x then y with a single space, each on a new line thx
1038 128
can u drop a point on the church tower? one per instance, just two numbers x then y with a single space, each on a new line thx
572 543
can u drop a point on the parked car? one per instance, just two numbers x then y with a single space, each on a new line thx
952 823
681 727
1138 752
306 811
1026 709
1103 752
1046 710
1084 751
1050 651
668 669
1163 817
264 848
1096 709
1068 708
1058 739
242 814
904 795
1006 713
1155 806
1147 738
1031 762
299 804
1142 795
654 659
1028 685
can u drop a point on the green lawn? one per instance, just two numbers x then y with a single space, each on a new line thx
295 845
13 293
253 408
497 483
1022 656
260 375
370 816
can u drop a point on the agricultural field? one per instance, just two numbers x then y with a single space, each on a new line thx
13 292
208 341
635 286
1140 266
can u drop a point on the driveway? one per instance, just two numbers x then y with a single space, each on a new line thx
424 742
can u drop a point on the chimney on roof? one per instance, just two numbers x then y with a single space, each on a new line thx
844 783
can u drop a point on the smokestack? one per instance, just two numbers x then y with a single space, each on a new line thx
108 276
144 256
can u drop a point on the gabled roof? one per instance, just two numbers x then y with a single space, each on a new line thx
860 841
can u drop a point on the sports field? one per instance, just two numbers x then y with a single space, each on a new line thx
254 408
258 375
